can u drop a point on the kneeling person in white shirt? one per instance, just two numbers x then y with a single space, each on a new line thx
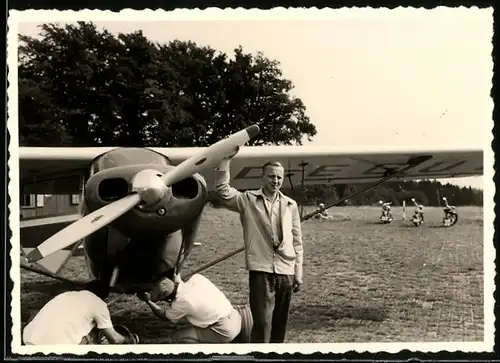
211 316
73 318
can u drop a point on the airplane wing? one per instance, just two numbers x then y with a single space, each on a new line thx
60 170
63 171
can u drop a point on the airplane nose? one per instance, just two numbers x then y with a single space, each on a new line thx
148 184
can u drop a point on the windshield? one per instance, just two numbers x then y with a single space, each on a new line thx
128 156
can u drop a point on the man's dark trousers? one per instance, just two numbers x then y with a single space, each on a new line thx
270 297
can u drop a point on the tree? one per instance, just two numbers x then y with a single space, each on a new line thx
80 86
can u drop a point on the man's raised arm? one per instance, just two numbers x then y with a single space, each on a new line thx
227 196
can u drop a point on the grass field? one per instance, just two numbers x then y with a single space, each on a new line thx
364 281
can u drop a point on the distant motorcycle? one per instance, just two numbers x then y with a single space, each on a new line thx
450 214
417 218
418 215
386 216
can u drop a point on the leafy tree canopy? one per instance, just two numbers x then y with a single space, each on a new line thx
80 86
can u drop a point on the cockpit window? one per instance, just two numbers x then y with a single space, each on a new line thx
128 156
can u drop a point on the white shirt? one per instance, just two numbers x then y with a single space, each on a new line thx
273 211
67 318
199 301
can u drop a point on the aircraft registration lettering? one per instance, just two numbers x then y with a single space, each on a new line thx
380 169
331 171
440 166
246 172
321 172
327 171
437 167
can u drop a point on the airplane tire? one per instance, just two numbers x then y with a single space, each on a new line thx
246 324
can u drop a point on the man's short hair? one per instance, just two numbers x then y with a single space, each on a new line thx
98 288
272 163
164 289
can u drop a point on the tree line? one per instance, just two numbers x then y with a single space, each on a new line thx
81 86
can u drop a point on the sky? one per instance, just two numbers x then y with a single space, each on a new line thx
420 79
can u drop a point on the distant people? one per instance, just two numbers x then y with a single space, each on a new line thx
420 209
210 316
385 206
323 214
447 207
74 318
386 216
273 247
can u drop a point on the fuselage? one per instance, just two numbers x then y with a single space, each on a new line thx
149 241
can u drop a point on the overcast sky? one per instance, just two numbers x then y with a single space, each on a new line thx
421 79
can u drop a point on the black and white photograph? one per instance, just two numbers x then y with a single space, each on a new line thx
237 181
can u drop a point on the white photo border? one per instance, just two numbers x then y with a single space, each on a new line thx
277 14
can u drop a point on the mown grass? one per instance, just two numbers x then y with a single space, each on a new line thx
364 281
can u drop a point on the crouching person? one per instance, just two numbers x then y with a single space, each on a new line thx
74 318
210 315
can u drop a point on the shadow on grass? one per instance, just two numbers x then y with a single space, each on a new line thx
316 316
411 225
151 330
52 288
394 223
375 223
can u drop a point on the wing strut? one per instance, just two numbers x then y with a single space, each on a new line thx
303 169
49 274
302 182
389 174
412 163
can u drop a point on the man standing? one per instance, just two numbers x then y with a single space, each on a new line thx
273 247
73 318
210 315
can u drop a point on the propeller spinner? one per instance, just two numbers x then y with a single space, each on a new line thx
147 187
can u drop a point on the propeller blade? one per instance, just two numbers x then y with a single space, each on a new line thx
210 156
84 227
103 216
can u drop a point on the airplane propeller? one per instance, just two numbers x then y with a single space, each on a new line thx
94 221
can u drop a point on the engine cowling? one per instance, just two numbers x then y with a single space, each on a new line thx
177 208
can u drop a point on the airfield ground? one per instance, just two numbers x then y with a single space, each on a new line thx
364 281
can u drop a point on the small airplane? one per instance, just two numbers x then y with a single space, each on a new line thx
141 207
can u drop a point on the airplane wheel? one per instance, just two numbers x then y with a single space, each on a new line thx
246 324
